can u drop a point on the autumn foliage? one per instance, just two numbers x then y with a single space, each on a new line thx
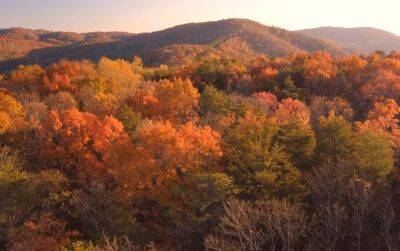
290 153
79 143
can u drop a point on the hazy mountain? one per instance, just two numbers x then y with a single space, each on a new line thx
237 38
362 40
19 42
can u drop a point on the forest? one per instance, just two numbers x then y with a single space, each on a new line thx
298 152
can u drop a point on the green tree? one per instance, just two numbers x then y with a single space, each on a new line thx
259 167
289 89
298 140
372 155
27 198
213 101
214 104
334 139
129 118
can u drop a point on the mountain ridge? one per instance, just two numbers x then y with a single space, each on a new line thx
359 39
235 38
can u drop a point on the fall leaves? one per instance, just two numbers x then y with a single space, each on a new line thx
169 154
11 112
171 100
79 143
153 153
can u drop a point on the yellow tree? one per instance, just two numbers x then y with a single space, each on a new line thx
116 77
11 112
178 99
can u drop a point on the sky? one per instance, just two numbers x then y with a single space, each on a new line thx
152 15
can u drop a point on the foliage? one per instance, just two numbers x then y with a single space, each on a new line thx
288 153
11 112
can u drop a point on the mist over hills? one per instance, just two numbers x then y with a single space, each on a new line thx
240 39
359 40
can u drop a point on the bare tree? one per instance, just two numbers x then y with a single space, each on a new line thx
341 204
327 227
271 225
123 244
239 228
284 224
386 215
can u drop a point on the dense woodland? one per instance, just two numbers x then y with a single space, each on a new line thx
284 153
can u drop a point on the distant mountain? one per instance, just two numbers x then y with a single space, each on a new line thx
18 42
362 40
236 38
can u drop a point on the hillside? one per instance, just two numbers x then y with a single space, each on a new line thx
363 40
19 42
237 38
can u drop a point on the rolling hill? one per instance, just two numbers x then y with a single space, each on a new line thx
19 42
236 38
362 40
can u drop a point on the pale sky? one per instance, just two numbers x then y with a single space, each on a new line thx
150 15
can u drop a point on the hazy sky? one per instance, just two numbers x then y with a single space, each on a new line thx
150 15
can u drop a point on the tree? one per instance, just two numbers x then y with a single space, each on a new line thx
45 233
334 139
264 225
298 140
368 151
88 151
67 76
116 77
288 88
383 117
266 102
29 200
222 73
176 101
213 102
11 112
293 110
318 69
265 80
258 166
167 153
60 101
79 144
145 104
384 84
341 204
25 78
323 107
174 172
129 119
373 155
99 103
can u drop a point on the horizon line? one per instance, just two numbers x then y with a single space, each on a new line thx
194 22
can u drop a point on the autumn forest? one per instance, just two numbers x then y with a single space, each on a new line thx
215 151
